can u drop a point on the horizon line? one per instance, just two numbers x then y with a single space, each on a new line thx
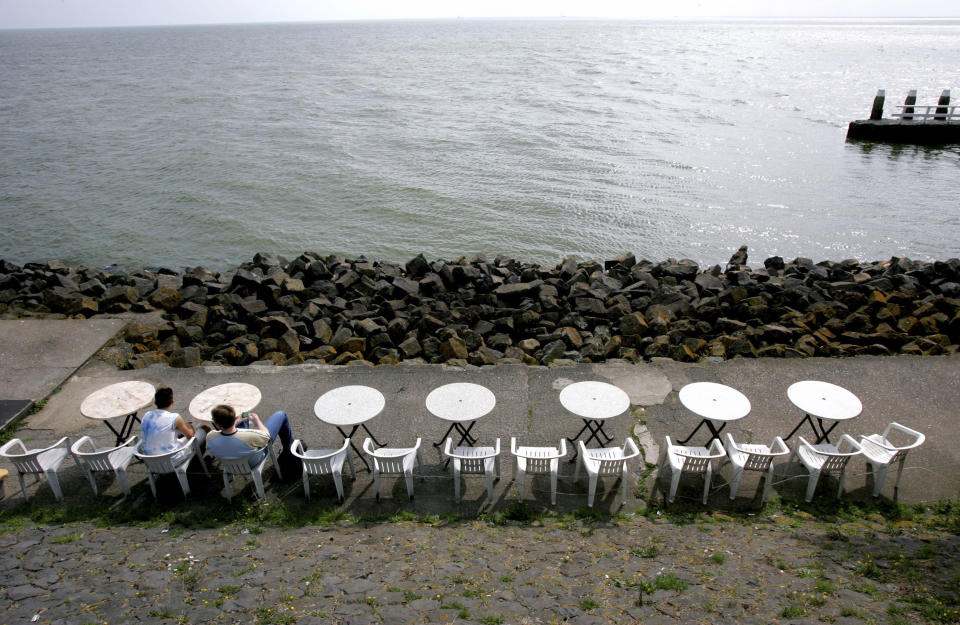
505 18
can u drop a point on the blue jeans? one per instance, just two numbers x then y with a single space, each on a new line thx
278 425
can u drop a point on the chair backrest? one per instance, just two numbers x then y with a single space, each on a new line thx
915 439
472 459
324 464
241 465
610 460
390 460
163 463
696 459
28 460
539 459
97 459
758 457
835 458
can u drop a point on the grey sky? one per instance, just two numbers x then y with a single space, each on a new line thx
72 13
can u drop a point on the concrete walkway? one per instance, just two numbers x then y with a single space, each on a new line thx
732 565
920 392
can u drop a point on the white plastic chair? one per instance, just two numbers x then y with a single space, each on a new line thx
324 462
751 457
393 461
880 453
697 460
538 461
175 461
475 461
101 459
241 466
605 461
826 458
38 462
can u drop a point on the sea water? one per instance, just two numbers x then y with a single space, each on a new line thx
541 139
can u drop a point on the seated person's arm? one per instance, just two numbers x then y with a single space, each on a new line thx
256 424
183 427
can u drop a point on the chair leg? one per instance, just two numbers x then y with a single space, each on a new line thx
23 487
273 459
258 483
735 482
896 485
489 487
408 477
767 485
812 484
376 481
184 483
122 478
843 477
591 489
226 486
338 482
553 484
153 485
456 480
674 483
707 478
55 484
623 483
879 475
93 481
306 485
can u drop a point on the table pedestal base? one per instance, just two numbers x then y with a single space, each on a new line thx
595 427
823 434
126 429
353 445
714 432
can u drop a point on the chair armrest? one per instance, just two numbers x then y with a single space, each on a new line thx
717 448
630 449
563 448
918 436
778 447
84 440
7 448
846 438
63 442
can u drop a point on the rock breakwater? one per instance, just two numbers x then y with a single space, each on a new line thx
481 311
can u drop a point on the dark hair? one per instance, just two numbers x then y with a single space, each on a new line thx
163 398
223 416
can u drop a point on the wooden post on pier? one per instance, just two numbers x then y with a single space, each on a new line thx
911 99
877 112
944 102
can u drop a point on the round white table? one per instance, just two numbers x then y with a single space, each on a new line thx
122 399
461 403
350 406
824 401
594 402
240 396
715 403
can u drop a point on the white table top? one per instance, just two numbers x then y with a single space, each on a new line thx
824 400
715 402
240 396
349 405
594 400
460 401
117 400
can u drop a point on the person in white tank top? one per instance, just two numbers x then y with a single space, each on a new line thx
162 431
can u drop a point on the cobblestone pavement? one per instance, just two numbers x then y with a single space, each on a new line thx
714 569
